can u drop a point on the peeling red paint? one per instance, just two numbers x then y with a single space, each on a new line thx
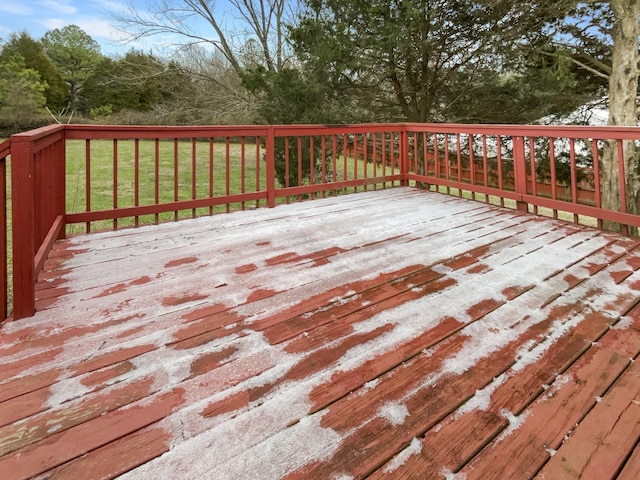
111 358
55 337
515 291
141 280
24 406
38 427
483 307
119 288
318 258
101 378
572 280
633 261
181 261
620 275
90 435
210 361
179 300
260 294
10 369
472 256
246 268
480 268
228 404
204 330
328 296
22 385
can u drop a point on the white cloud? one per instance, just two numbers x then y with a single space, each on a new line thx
93 26
59 6
112 6
15 8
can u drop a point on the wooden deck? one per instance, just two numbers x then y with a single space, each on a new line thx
389 334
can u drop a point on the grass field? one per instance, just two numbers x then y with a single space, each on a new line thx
173 163
218 171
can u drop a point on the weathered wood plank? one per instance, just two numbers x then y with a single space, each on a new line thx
631 470
116 457
459 437
61 447
600 444
522 450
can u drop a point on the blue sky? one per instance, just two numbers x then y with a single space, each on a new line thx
39 16
95 17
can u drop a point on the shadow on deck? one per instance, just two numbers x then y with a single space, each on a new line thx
396 334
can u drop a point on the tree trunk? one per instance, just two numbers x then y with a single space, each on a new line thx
623 87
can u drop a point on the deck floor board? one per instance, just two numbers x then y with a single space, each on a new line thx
388 334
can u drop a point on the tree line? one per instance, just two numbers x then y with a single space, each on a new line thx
329 61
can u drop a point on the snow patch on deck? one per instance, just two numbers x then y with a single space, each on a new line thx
394 413
515 422
247 446
414 448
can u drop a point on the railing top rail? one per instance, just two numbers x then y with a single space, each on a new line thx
37 134
145 132
164 131
574 131
334 129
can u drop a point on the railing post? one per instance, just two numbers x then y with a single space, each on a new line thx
23 228
520 172
271 167
404 156
5 150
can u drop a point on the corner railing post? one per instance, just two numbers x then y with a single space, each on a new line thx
271 167
23 228
520 172
404 156
4 304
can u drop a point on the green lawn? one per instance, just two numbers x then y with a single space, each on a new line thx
175 163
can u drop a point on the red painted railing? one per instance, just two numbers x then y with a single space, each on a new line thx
123 176
552 167
5 151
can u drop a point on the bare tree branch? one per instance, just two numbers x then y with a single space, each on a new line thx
181 21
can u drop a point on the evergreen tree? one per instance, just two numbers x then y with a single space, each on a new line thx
21 95
31 51
76 56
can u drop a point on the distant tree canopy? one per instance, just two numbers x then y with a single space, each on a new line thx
75 54
32 52
436 60
21 93
333 61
